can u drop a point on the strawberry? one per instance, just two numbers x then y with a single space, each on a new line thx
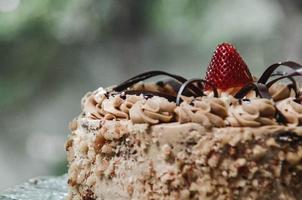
227 69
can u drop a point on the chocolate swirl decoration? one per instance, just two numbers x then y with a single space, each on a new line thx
282 91
185 102
288 110
260 89
194 87
270 70
261 86
143 76
190 82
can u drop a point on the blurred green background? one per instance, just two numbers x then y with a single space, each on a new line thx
52 52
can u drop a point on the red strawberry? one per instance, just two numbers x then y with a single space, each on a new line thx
227 69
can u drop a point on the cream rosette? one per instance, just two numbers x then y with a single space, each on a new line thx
208 112
291 111
98 106
152 111
252 113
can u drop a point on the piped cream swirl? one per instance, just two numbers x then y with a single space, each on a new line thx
253 113
152 111
208 112
91 103
291 111
97 106
279 92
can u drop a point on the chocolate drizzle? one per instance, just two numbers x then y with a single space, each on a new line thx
290 77
124 86
190 82
195 87
261 86
268 73
192 89
143 76
260 89
270 70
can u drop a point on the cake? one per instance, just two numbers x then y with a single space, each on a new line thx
228 136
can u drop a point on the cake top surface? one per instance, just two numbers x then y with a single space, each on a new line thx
228 96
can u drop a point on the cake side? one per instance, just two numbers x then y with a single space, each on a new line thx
183 161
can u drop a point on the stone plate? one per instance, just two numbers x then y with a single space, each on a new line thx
41 188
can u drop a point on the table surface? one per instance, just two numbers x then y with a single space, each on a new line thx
41 188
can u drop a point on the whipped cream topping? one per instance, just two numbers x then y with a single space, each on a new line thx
279 92
152 111
291 111
207 111
91 105
252 113
97 106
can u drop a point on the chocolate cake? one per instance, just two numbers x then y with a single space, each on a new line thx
228 136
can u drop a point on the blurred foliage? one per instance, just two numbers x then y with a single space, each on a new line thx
28 17
40 39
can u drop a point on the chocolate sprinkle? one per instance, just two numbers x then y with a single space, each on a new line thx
149 94
289 137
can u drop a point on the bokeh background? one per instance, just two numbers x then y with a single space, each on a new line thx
52 52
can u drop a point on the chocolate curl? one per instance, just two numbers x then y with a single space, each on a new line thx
269 71
175 85
143 76
291 76
171 82
140 77
282 75
260 89
190 82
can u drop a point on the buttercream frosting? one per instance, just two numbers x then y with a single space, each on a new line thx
291 111
279 92
203 111
208 111
152 111
252 113
98 105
